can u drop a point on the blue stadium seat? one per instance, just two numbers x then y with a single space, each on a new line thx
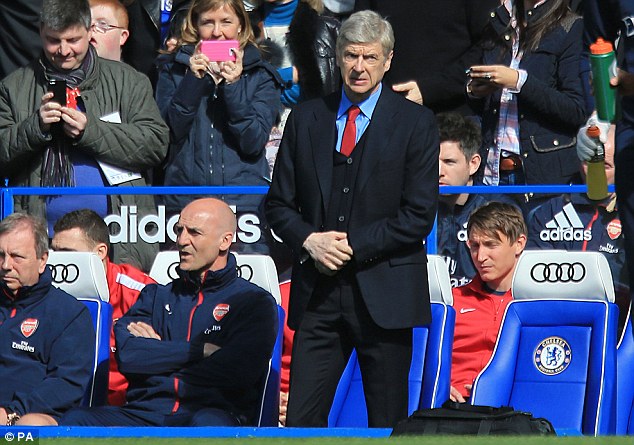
625 380
556 352
260 270
83 276
430 371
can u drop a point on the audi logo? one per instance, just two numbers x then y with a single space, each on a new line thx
64 273
245 271
558 272
171 270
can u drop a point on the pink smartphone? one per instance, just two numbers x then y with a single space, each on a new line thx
219 50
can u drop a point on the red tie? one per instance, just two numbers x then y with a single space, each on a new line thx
349 139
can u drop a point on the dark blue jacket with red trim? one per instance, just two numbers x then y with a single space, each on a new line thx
47 344
171 376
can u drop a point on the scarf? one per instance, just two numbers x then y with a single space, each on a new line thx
57 169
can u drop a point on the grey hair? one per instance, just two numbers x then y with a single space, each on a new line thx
365 27
37 225
59 15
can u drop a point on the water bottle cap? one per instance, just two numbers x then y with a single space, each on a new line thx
601 47
593 131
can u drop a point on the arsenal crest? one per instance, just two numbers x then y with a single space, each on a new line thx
220 311
614 229
29 326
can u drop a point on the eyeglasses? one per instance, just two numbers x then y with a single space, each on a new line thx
103 27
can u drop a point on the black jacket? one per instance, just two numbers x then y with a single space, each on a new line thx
311 40
550 105
393 206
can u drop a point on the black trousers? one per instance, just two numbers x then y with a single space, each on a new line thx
336 321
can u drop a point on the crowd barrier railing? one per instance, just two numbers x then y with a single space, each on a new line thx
8 193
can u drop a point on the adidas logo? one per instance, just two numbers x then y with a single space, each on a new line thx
565 226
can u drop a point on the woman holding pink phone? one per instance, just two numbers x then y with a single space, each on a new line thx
220 100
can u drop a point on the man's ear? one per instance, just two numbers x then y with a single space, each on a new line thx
43 259
226 240
520 244
101 249
124 37
474 164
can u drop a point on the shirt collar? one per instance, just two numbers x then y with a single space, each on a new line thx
367 106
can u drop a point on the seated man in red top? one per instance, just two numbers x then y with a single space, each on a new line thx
496 238
85 231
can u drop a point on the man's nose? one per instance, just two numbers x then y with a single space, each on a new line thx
358 64
63 49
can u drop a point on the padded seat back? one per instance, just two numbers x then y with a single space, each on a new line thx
556 352
83 276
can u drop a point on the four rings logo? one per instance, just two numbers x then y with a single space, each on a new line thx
245 271
558 272
64 273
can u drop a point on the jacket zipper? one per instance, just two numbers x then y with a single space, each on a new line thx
189 334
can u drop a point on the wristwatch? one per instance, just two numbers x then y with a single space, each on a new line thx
12 418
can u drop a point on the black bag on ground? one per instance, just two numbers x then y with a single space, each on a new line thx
460 418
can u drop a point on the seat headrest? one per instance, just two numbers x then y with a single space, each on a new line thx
81 274
163 269
258 269
439 280
557 274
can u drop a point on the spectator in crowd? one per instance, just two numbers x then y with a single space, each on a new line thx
109 28
606 19
497 236
19 34
305 42
196 350
436 42
85 231
529 87
355 206
458 161
47 338
106 133
220 113
149 22
575 222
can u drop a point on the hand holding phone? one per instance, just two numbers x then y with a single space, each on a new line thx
220 50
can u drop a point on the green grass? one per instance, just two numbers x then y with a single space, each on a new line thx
431 440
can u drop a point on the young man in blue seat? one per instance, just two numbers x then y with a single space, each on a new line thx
497 237
195 351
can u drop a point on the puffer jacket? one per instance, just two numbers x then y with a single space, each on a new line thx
218 133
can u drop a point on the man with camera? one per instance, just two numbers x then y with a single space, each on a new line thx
102 128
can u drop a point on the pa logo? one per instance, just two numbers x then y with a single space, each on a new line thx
552 356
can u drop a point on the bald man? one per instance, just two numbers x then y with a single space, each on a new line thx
196 350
